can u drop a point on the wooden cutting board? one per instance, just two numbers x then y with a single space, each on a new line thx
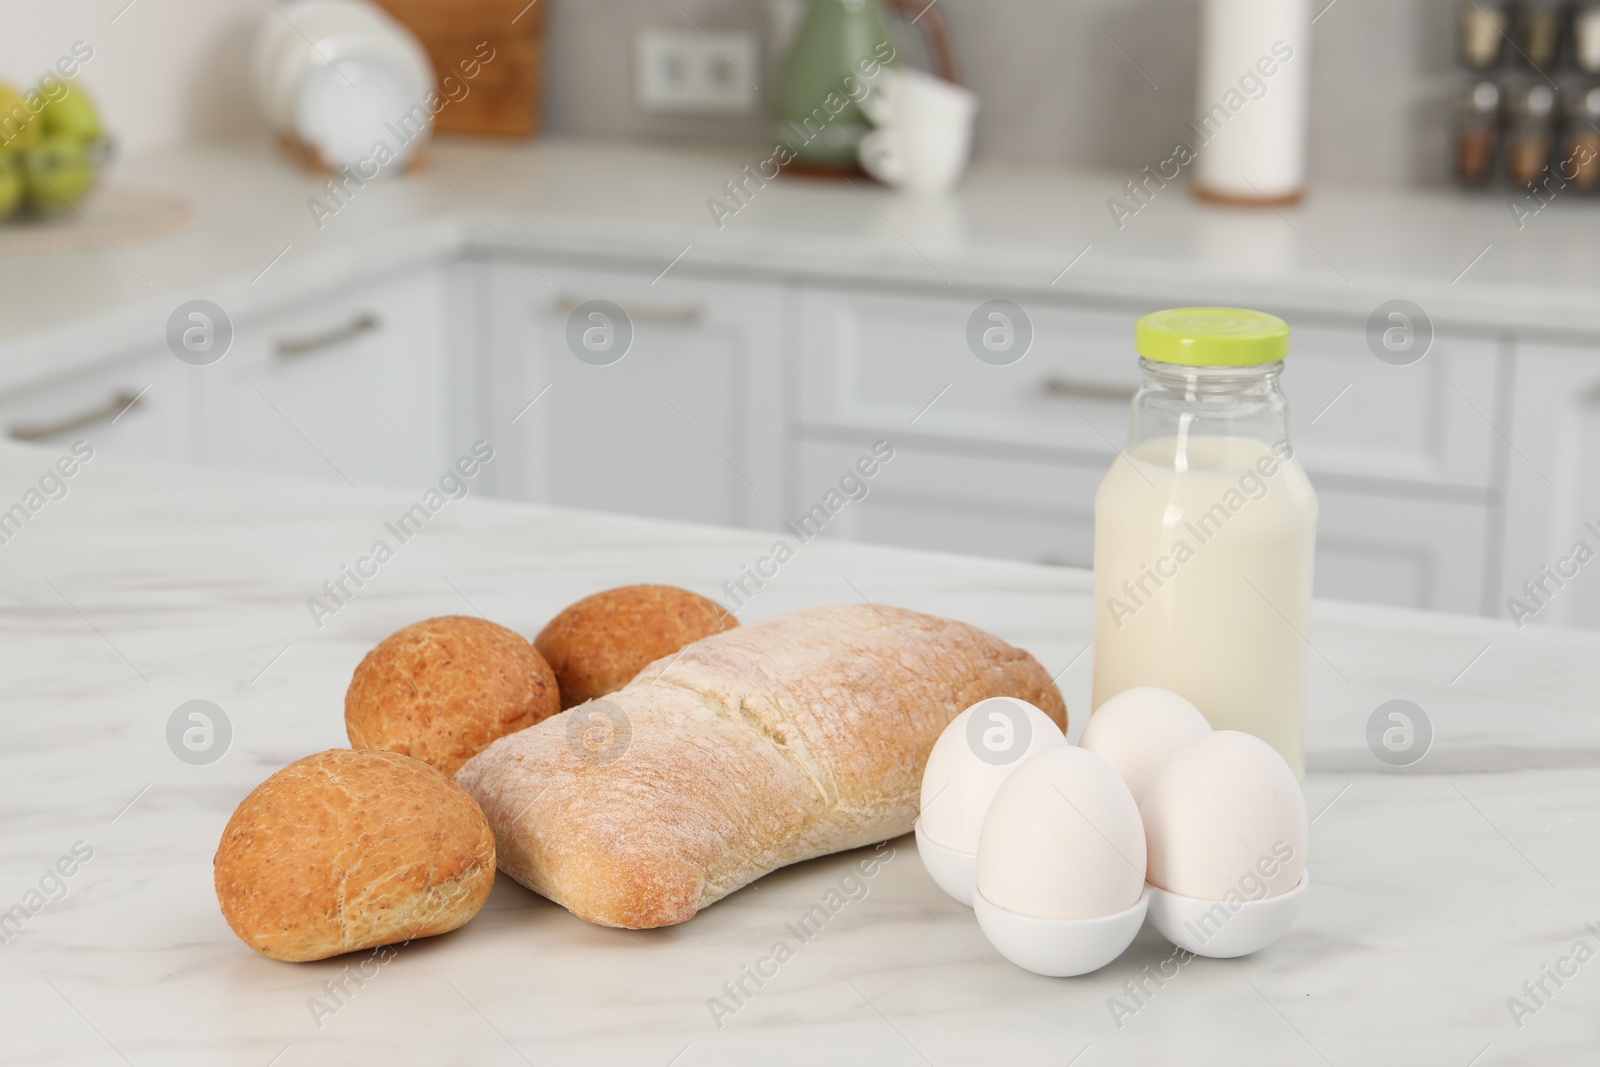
503 94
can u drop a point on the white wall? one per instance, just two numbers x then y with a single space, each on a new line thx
165 71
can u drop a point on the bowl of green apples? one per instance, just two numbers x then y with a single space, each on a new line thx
53 148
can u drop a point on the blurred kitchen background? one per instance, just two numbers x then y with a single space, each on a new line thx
1054 90
610 154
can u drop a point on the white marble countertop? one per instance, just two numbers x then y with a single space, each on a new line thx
1439 889
255 244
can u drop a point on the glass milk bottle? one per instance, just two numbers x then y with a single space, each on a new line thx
1204 530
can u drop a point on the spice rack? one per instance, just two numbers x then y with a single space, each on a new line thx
1527 114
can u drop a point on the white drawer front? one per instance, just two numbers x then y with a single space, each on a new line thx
687 424
1011 509
1408 553
1549 575
872 361
356 387
1430 422
877 360
141 407
1377 549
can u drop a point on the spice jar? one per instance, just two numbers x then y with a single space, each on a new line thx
1539 33
1532 137
1586 38
1477 137
1580 148
1483 28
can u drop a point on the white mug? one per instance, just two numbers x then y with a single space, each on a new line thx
923 134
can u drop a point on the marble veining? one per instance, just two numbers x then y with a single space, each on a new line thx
1440 889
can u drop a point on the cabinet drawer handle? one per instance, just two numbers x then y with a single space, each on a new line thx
122 400
293 347
1075 390
684 315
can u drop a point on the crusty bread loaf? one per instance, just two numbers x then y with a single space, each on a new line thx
782 740
442 689
599 643
346 850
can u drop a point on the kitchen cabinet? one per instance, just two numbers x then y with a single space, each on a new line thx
882 361
1003 460
356 386
1383 550
871 360
141 406
1429 424
1403 551
665 401
742 402
949 502
1553 488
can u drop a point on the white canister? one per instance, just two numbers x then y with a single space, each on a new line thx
343 77
1252 99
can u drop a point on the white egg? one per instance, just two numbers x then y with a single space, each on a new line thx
1226 816
1139 729
1062 840
973 755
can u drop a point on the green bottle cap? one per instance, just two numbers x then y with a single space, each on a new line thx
1212 337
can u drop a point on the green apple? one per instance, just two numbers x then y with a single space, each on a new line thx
61 171
65 156
72 115
13 183
18 128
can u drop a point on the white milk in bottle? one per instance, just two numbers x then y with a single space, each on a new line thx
1205 529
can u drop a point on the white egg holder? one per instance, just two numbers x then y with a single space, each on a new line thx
1064 948
1059 948
1223 930
956 872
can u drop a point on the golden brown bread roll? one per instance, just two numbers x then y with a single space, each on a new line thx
789 738
347 850
597 645
442 689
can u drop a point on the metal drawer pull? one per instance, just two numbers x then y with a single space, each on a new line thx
686 315
1074 390
291 347
122 400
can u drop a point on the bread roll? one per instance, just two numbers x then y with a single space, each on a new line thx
597 645
782 740
442 689
347 850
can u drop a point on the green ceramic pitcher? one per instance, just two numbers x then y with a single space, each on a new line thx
837 53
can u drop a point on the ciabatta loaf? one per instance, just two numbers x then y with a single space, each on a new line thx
786 739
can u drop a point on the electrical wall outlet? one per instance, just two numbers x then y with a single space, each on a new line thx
686 72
